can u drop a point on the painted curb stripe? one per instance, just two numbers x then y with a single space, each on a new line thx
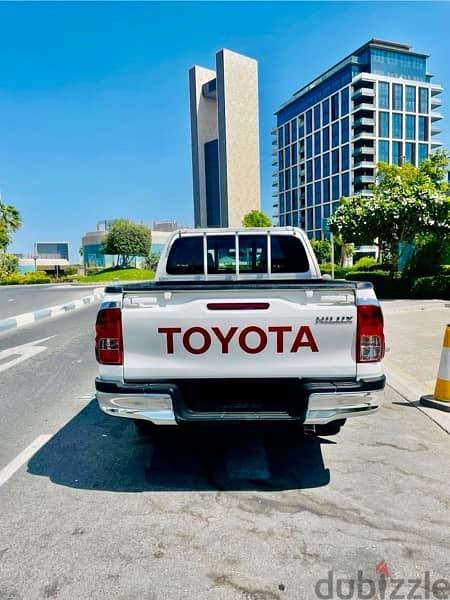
8 324
45 313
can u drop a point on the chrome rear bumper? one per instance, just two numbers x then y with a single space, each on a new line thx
326 402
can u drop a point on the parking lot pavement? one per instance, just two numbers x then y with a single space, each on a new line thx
414 332
99 512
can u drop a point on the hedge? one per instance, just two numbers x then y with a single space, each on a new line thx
384 285
339 272
28 278
432 287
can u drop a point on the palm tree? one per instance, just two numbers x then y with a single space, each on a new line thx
10 221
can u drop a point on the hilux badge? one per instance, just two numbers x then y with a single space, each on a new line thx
333 320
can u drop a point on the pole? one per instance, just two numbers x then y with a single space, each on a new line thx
332 255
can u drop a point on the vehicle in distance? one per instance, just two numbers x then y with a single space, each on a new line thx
239 325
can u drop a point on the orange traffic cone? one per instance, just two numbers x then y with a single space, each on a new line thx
441 396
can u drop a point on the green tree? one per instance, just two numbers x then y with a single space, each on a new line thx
322 250
10 221
126 240
406 201
256 218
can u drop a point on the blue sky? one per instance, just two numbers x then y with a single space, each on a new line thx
94 106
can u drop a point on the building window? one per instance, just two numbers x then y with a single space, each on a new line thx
288 202
335 187
295 219
410 98
317 193
310 222
287 157
326 210
326 164
295 200
335 135
308 122
397 153
334 107
282 221
280 138
383 151
318 219
345 101
317 169
326 190
410 127
281 182
287 134
383 94
309 150
287 179
423 129
410 153
294 177
423 100
397 125
383 124
423 152
346 184
294 130
344 130
280 160
317 117
317 149
309 195
345 158
326 139
326 112
294 153
397 96
309 175
301 127
335 161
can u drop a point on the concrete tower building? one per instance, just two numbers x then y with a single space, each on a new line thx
225 140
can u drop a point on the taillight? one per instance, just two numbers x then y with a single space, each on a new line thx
370 335
108 338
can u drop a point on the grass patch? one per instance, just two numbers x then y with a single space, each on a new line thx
109 275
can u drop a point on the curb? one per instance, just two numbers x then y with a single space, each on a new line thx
409 392
46 313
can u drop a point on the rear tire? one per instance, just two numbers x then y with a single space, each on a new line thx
332 428
144 427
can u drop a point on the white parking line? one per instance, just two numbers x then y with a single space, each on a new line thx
22 458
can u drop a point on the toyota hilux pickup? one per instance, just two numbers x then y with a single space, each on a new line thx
239 325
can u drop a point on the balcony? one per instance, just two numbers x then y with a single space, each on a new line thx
274 131
436 116
435 130
364 135
436 89
274 163
363 122
275 194
362 150
436 144
363 164
364 106
366 193
363 179
275 184
363 93
275 142
435 101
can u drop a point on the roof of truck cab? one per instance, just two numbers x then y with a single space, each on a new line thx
231 230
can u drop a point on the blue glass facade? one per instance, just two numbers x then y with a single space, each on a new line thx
375 105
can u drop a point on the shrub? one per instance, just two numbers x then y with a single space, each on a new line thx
384 285
366 263
383 267
432 287
8 264
339 272
36 277
12 279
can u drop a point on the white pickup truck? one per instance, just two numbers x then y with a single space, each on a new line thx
239 325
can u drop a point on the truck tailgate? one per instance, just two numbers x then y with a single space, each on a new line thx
239 333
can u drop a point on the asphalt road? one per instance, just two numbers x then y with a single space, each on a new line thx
15 300
243 513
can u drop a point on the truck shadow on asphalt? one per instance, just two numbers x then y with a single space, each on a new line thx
97 452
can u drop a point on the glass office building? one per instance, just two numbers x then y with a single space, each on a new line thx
378 104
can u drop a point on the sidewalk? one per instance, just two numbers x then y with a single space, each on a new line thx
414 332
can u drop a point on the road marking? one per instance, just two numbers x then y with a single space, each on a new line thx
22 458
22 352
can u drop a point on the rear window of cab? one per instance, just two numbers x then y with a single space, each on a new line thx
288 255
